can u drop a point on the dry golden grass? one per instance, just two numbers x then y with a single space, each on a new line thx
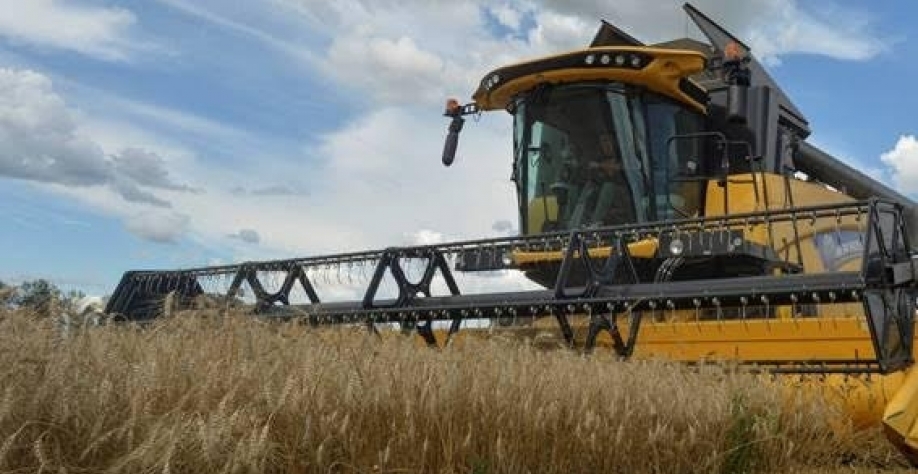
236 395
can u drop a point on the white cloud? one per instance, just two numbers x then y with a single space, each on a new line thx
560 32
174 118
41 142
249 236
395 153
162 227
100 32
902 161
406 51
36 134
426 237
507 15
145 168
401 68
772 28
367 192
796 32
502 226
264 36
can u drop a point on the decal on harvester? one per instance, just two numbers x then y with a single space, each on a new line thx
839 248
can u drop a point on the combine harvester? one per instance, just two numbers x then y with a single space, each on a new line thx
671 207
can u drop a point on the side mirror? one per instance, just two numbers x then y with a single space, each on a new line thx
452 140
456 111
738 77
737 103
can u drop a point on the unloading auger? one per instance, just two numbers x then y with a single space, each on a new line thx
669 206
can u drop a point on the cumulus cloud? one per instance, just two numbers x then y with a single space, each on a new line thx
145 168
402 68
401 51
96 31
902 161
366 192
130 192
249 236
40 141
405 52
161 227
502 226
281 190
507 15
426 237
272 190
771 27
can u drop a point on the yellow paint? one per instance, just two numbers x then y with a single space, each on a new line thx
661 75
539 211
900 417
742 199
646 248
755 339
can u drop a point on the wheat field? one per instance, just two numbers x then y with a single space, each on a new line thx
233 394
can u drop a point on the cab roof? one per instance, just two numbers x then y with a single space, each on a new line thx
661 70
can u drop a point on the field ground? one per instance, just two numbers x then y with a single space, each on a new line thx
230 394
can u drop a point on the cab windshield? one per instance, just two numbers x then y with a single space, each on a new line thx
590 155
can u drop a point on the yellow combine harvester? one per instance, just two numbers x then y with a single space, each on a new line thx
671 207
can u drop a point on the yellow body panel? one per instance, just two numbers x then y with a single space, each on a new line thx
799 339
742 199
540 210
661 75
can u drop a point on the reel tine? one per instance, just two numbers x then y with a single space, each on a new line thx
838 222
363 270
315 277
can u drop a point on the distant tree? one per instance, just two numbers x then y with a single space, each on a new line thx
70 298
38 295
7 293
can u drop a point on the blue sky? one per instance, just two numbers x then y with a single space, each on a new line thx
168 133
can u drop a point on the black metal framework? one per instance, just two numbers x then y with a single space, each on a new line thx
408 292
264 300
885 285
617 267
889 277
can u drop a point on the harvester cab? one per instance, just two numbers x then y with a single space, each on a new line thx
669 205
